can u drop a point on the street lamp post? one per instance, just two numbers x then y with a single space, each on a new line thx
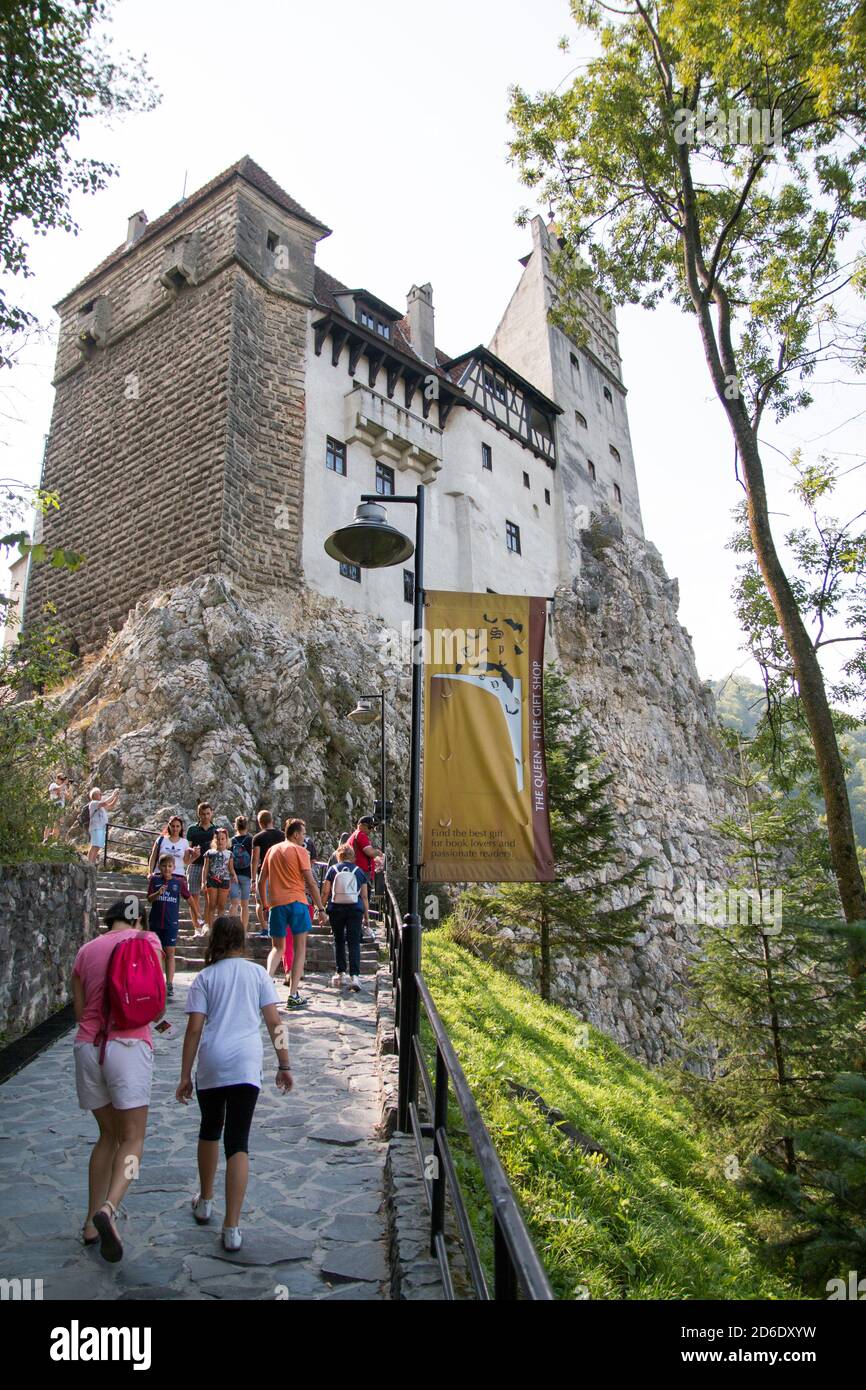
369 541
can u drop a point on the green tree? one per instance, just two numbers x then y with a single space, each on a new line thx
33 744
772 998
17 500
824 1203
741 227
57 71
595 903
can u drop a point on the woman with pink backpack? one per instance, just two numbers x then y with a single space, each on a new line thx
114 1057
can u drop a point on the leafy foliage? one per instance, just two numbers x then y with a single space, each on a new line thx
825 1203
665 188
742 706
771 989
16 501
57 71
634 159
33 744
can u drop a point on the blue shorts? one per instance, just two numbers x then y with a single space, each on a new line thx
290 916
240 889
167 935
97 839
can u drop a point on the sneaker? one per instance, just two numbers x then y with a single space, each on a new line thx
337 980
202 1209
169 991
295 1001
355 984
232 1238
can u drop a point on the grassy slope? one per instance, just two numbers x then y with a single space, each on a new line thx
661 1222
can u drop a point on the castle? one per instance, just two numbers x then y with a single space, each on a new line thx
222 402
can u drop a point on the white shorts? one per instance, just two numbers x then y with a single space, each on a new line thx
123 1080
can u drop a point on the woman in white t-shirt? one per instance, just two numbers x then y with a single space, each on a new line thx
226 1003
172 841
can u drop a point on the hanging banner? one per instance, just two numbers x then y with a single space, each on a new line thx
485 807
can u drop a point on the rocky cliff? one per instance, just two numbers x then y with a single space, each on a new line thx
200 697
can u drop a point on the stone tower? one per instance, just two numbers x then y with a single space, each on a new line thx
222 403
178 424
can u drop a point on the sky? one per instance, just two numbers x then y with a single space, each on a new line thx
388 121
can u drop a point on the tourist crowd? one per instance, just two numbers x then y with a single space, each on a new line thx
218 874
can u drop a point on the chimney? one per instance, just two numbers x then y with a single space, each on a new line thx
135 227
419 311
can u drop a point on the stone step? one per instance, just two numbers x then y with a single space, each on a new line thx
315 964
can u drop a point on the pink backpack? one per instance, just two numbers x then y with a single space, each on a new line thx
134 989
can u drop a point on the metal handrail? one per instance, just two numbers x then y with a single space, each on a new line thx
128 830
517 1269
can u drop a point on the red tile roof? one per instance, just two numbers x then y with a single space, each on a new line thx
326 288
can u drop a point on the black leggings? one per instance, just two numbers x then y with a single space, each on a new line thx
232 1107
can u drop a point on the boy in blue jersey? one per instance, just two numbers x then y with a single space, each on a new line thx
164 892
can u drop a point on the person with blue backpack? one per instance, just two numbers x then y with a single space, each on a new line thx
242 857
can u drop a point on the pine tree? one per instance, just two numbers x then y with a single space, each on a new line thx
594 904
772 992
824 1204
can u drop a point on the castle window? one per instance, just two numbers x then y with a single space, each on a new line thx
615 453
580 419
591 466
512 537
487 457
607 395
273 241
617 494
384 480
350 571
373 322
575 373
408 586
547 495
335 456
526 480
493 386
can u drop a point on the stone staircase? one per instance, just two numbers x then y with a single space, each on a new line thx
189 954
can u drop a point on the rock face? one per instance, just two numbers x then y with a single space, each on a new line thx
201 698
631 667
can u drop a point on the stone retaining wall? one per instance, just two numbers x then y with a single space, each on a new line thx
46 912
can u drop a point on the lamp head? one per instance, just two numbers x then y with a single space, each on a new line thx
370 540
365 712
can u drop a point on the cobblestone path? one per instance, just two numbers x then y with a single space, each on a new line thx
313 1222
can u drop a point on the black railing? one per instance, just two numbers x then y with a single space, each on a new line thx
517 1269
120 834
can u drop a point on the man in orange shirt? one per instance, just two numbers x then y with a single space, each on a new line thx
284 881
